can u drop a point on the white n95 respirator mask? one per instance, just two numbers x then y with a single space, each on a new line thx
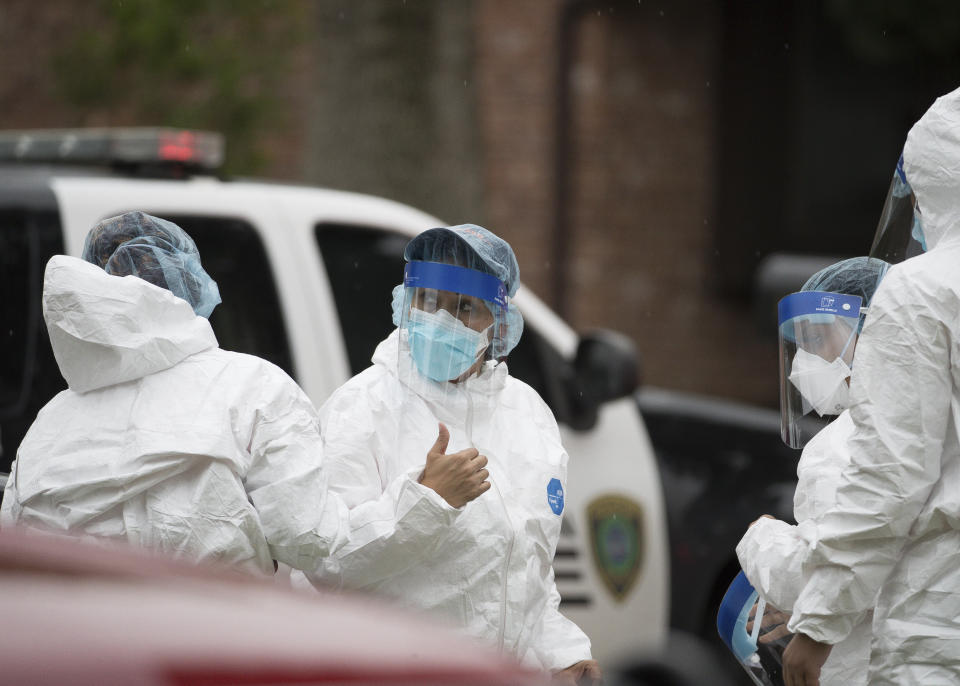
822 384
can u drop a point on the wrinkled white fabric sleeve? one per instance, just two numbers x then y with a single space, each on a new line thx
302 521
901 392
772 555
393 526
7 514
560 642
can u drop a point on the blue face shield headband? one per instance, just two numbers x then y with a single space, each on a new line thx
819 307
450 277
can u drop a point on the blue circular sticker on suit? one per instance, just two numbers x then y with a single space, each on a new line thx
555 496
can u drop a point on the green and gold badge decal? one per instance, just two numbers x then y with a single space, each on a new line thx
616 537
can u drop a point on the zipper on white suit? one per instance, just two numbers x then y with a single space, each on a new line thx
501 634
506 570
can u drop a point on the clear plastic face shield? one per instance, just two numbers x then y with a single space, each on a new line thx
900 230
757 645
453 319
818 332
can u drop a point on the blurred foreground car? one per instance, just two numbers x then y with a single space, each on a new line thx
78 613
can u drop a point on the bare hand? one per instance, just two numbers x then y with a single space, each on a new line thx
761 517
773 626
773 623
802 661
583 672
458 477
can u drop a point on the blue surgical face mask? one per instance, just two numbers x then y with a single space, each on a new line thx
442 346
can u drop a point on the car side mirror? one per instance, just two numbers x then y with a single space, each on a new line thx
606 367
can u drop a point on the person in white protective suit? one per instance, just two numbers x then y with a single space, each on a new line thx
164 440
773 553
895 527
438 427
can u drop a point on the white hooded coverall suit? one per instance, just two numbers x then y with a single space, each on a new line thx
895 527
165 441
486 567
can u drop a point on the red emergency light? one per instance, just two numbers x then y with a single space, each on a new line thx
179 146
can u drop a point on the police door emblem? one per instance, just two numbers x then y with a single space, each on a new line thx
616 539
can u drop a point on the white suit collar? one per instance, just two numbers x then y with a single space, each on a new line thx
489 382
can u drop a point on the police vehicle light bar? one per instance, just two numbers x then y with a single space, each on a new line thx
203 149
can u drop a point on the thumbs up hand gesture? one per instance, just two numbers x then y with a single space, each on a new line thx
458 477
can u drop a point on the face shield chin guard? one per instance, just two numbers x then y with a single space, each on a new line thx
453 319
900 230
758 646
817 332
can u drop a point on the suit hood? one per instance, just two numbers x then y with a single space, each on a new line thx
107 330
931 162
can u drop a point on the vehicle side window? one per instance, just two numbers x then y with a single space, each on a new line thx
538 364
249 320
29 375
363 265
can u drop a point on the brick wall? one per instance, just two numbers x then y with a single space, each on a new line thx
641 161
515 63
